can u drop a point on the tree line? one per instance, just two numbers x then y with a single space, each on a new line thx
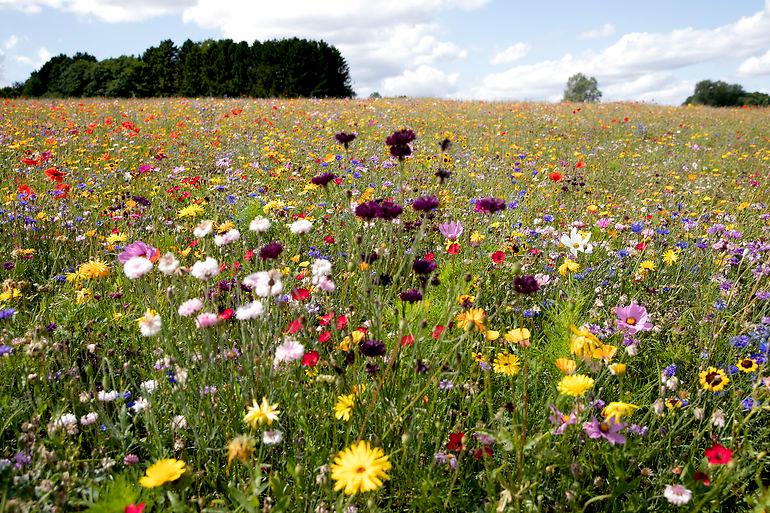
721 94
285 68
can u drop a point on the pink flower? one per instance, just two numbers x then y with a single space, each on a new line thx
138 249
206 320
451 230
607 429
633 318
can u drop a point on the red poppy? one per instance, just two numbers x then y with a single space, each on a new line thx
456 441
580 165
326 319
325 337
437 331
300 294
453 249
342 321
329 239
226 314
30 162
25 191
483 451
134 508
556 176
310 359
294 326
54 174
719 454
407 341
702 477
498 257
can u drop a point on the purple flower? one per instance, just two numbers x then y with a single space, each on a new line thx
7 313
270 251
451 230
368 210
525 284
345 139
425 203
399 143
490 205
137 249
411 296
423 267
372 348
560 420
608 429
323 179
633 318
389 210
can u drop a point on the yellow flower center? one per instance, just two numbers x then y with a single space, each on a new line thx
631 321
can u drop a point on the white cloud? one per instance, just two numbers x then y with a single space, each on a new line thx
9 43
605 31
34 61
112 11
631 57
511 54
422 81
758 65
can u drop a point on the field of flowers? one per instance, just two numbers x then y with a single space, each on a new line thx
384 305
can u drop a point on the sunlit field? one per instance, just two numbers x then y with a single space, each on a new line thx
383 305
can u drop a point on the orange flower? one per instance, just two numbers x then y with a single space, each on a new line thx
55 175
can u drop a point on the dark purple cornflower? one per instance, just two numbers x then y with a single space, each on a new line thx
345 139
411 296
425 203
525 284
423 267
399 143
141 200
270 251
445 144
7 266
368 211
490 205
323 179
389 210
421 367
371 348
52 327
443 174
371 369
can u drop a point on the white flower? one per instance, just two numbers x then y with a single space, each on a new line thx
190 307
168 264
203 229
718 418
107 396
140 404
576 242
321 267
677 495
249 311
265 283
259 225
149 386
325 283
659 407
227 238
206 320
272 437
300 226
206 269
67 422
136 267
289 351
88 419
150 324
179 422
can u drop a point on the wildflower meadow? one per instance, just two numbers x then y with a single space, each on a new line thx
383 305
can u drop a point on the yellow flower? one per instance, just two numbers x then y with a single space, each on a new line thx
492 335
604 352
618 369
225 227
162 472
344 407
93 269
479 357
477 238
575 385
259 414
471 319
114 238
713 379
9 294
582 342
618 410
566 366
465 300
190 211
670 257
240 448
506 363
569 266
518 336
360 468
646 266
747 365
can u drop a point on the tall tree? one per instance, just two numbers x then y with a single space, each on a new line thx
160 69
581 88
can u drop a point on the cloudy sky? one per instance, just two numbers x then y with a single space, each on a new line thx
652 50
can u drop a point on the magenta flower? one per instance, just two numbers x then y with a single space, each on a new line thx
138 249
607 429
560 420
633 318
451 230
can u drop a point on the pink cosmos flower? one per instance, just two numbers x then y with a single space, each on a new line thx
138 249
633 318
451 230
607 429
206 320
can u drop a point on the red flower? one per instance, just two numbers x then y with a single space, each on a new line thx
484 451
295 326
437 331
134 508
226 314
719 454
641 246
407 341
556 176
453 249
580 165
326 319
498 257
430 257
249 255
342 321
54 174
456 441
329 239
30 162
300 294
310 359
325 337
702 477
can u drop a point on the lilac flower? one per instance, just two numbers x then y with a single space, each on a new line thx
7 313
451 230
609 430
560 420
633 318
137 249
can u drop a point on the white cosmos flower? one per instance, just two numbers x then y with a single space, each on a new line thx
168 264
576 242
259 225
677 495
300 226
205 270
203 228
321 267
227 238
265 283
136 267
249 311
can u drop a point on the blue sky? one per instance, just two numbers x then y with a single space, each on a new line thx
489 49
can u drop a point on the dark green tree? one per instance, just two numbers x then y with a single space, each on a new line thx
160 69
581 88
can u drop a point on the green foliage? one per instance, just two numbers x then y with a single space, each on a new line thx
721 94
581 88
